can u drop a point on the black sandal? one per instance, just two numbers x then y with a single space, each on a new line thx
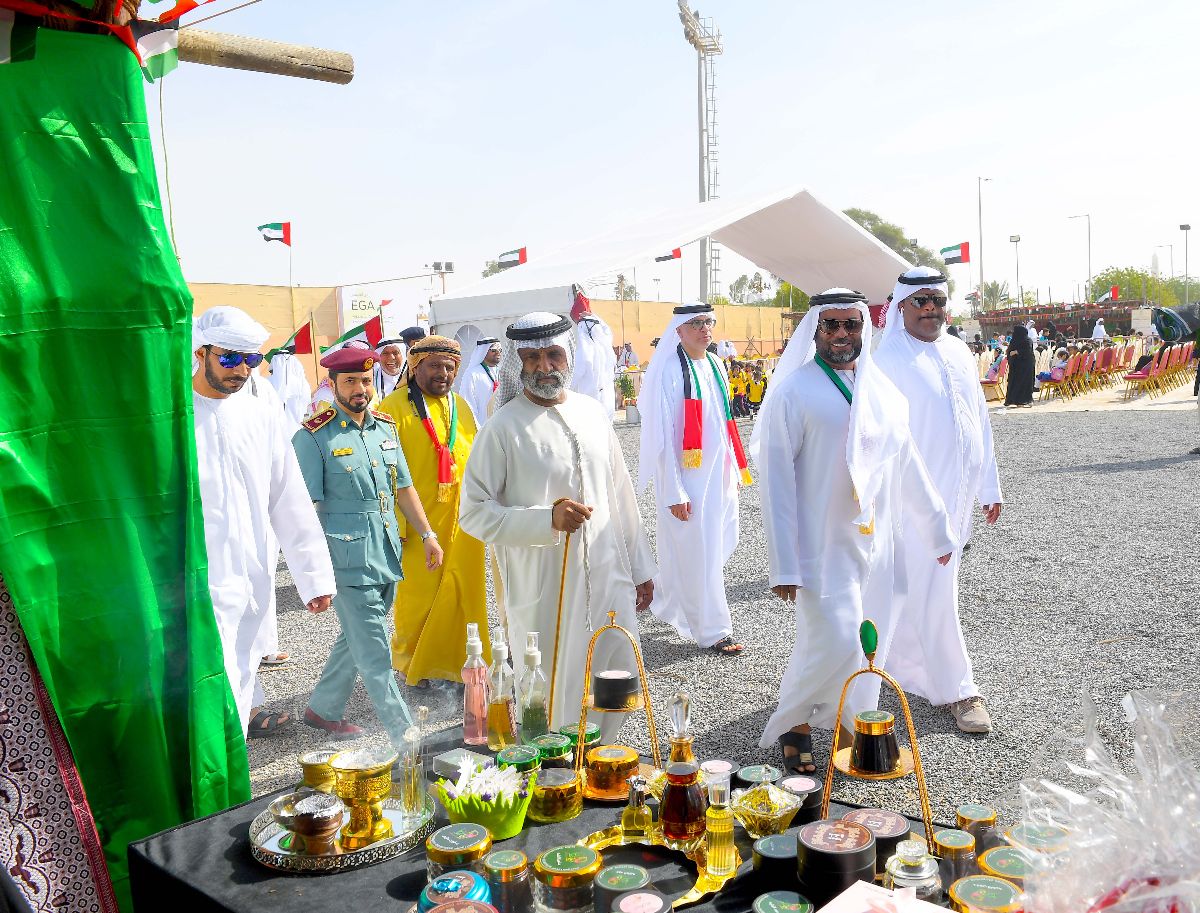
268 723
801 760
727 646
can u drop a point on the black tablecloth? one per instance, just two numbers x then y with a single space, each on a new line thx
206 865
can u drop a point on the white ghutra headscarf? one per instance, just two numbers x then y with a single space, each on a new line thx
878 412
229 328
478 354
539 330
909 284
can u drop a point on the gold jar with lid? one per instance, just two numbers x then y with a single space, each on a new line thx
563 878
457 846
1006 862
609 768
984 894
557 796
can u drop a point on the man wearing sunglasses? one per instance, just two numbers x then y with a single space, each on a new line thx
937 375
688 455
254 502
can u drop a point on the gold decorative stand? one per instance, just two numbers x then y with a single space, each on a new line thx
588 703
868 637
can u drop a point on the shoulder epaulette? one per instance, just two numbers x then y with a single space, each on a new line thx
383 417
319 420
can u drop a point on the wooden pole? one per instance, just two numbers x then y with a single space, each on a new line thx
238 52
312 334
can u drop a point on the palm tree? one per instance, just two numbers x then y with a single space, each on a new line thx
995 296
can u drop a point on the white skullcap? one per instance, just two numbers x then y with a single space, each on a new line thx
539 330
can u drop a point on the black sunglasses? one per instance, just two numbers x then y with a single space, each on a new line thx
921 300
830 325
233 359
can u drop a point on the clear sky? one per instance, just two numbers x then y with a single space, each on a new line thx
472 128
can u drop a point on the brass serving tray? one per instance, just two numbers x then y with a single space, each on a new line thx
706 885
270 844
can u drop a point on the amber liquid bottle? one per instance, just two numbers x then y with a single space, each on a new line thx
682 808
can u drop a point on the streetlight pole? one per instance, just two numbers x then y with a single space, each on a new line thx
979 196
1088 288
1016 243
1187 291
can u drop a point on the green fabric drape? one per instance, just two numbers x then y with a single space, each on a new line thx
101 535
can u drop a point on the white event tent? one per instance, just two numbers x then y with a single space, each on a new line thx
791 234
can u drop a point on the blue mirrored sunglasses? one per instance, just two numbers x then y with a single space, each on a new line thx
233 359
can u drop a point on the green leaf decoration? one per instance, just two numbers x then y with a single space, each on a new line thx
868 636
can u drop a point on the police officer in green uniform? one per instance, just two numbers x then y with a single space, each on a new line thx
356 474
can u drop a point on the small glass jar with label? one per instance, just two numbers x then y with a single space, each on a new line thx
913 867
455 847
508 876
980 822
555 750
563 879
957 851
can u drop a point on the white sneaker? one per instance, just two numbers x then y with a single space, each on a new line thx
971 714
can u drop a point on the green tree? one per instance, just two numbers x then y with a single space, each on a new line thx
490 268
625 291
995 296
894 237
1029 299
1184 291
788 297
737 289
1133 284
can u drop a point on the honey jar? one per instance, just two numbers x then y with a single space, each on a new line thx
557 796
609 768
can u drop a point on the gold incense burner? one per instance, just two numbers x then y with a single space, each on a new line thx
590 703
876 725
315 770
311 818
362 780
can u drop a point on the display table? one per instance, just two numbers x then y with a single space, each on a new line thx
206 865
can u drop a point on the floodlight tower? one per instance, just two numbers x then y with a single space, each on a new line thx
704 37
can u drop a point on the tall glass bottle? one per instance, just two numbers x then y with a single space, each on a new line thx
475 692
502 700
718 833
535 692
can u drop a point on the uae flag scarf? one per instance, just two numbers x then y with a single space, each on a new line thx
445 452
693 417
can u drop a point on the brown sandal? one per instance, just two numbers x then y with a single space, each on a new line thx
727 646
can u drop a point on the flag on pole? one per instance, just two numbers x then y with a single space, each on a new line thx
673 255
512 258
157 47
300 342
957 253
1111 295
277 231
370 333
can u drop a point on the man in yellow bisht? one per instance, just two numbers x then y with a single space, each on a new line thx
436 429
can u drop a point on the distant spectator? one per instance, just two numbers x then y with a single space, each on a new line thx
1057 368
1021 368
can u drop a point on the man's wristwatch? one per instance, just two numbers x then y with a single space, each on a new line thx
428 535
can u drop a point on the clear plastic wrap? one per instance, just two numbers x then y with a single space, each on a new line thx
1133 829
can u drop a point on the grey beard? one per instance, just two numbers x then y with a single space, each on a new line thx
833 359
562 380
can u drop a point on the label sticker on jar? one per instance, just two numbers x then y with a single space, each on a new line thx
1007 861
878 821
568 858
799 785
640 903
458 836
621 878
781 902
777 846
759 773
610 753
976 813
874 716
556 778
835 836
954 840
984 892
502 860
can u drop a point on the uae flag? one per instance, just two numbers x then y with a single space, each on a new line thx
957 253
1112 294
181 7
157 47
17 36
512 258
277 231
300 342
370 333
673 255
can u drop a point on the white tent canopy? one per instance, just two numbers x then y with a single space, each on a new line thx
791 234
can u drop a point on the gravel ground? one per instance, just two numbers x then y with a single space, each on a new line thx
1086 586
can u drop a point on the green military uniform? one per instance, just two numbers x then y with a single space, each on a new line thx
352 474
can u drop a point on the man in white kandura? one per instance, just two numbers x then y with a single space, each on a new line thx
693 456
595 359
290 383
388 369
546 474
836 468
478 380
253 496
948 418
1098 331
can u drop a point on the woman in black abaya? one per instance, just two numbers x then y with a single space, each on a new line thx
1021 368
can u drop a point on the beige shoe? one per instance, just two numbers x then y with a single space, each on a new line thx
971 715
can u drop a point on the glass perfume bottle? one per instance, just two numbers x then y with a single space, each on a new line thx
681 809
412 773
475 698
636 819
718 834
535 692
913 867
681 724
502 700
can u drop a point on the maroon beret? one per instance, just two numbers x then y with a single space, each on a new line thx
351 357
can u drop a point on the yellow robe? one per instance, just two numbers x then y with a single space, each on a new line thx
432 608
